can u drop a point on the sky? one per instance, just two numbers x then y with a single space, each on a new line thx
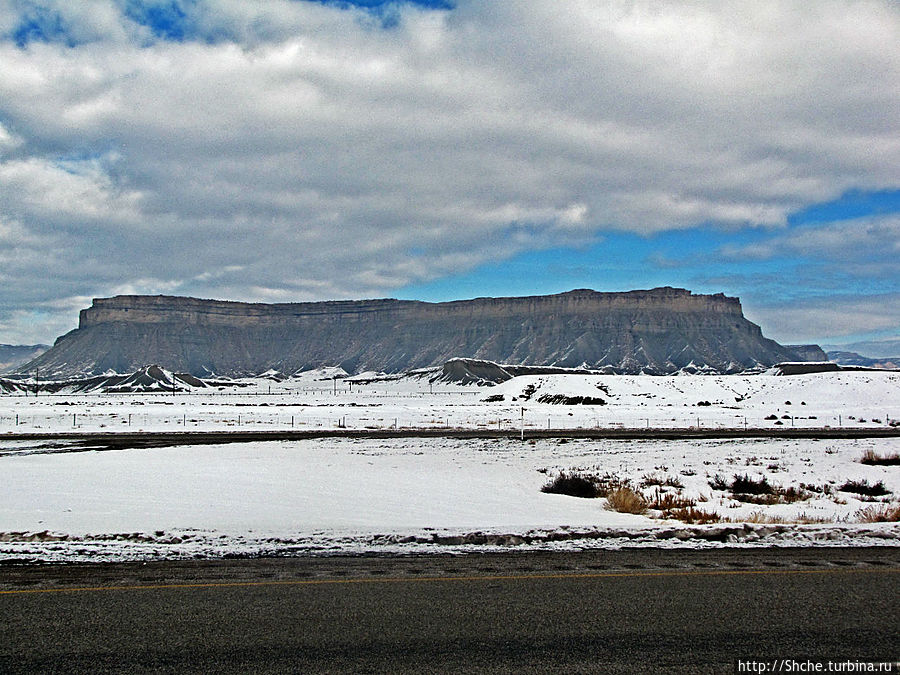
295 150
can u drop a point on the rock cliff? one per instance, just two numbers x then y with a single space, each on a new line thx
12 356
658 331
808 352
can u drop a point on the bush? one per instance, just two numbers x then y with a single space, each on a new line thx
718 483
746 485
761 500
650 480
667 501
762 518
792 494
862 487
874 459
574 485
883 513
750 491
694 516
626 500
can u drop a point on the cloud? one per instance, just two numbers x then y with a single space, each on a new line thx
830 319
847 241
301 150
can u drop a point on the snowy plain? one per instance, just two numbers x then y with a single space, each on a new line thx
327 398
411 495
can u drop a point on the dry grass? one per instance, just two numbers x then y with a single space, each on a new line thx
649 480
803 518
761 517
808 519
693 516
874 459
666 501
626 500
760 491
793 494
882 513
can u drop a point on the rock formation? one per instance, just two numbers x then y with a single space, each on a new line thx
12 356
808 352
657 331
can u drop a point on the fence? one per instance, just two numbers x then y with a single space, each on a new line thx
336 418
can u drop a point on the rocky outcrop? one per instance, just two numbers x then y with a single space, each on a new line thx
853 359
808 352
12 356
658 331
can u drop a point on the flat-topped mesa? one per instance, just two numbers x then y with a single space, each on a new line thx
657 331
164 309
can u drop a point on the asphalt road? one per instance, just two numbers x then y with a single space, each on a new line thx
70 441
601 611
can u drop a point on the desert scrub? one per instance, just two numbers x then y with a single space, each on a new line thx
881 513
694 516
747 486
759 491
872 458
573 484
761 517
626 500
862 487
650 479
666 501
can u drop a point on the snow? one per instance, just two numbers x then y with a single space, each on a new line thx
411 495
327 399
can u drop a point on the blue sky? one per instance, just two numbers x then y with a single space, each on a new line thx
310 150
693 258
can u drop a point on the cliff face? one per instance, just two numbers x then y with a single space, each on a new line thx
12 356
658 331
808 352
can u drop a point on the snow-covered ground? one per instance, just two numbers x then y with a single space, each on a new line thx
316 400
411 495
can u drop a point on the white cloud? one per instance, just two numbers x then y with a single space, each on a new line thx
830 319
866 240
311 150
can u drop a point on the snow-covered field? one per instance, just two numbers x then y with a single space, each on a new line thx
316 400
336 496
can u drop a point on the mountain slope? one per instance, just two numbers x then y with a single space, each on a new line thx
12 356
657 331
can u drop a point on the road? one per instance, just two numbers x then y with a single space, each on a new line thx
152 439
599 611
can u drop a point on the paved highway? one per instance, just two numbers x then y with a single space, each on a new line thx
139 439
600 611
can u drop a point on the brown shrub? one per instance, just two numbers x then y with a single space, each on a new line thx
666 501
760 517
626 500
873 458
694 516
882 513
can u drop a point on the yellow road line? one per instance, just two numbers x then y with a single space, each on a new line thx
497 577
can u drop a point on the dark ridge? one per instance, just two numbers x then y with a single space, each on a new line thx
658 331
